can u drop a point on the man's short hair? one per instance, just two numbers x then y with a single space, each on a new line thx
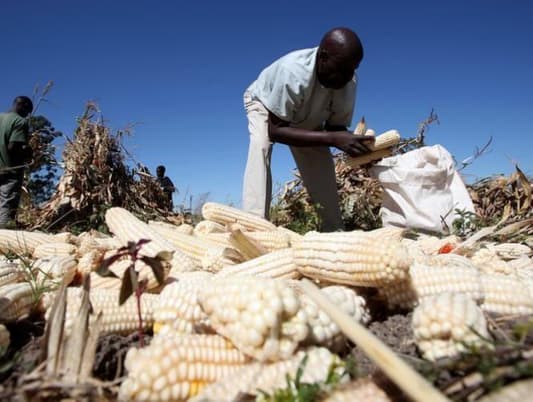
24 100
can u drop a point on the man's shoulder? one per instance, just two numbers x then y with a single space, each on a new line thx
12 118
298 60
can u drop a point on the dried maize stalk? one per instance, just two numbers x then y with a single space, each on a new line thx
176 368
379 149
351 258
278 264
16 301
21 242
177 309
265 321
270 377
446 324
128 228
227 215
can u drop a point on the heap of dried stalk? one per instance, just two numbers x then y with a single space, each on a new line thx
96 177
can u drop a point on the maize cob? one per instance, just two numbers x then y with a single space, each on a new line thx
128 228
22 242
197 249
16 301
358 391
247 247
445 324
505 295
388 233
51 249
488 261
184 228
226 215
65 237
11 272
90 261
264 322
205 227
270 241
431 245
5 339
293 236
278 264
177 307
51 271
351 258
382 147
360 128
427 280
518 391
522 267
269 377
115 319
510 251
175 368
322 330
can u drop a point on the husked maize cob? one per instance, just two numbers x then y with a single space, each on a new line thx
270 377
65 237
388 233
51 249
351 258
16 301
52 270
261 316
510 251
184 228
176 368
445 323
128 228
224 215
90 242
518 391
197 248
205 227
22 242
431 245
270 241
380 149
90 261
358 391
115 319
322 330
505 295
11 272
427 280
177 307
5 339
360 128
277 264
522 267
488 261
293 236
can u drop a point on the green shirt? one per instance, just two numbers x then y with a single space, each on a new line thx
13 128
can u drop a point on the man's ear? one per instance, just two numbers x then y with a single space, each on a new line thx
323 55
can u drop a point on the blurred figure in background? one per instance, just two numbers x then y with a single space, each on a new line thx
166 184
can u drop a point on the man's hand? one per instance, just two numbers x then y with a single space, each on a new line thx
353 145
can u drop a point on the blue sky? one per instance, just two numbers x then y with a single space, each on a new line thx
178 70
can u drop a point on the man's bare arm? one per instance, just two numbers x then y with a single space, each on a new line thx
280 131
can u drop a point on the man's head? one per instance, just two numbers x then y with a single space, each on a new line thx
339 55
22 105
160 171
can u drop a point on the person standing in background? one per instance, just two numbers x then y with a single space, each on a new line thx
166 184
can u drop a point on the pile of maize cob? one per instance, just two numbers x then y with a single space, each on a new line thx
229 318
